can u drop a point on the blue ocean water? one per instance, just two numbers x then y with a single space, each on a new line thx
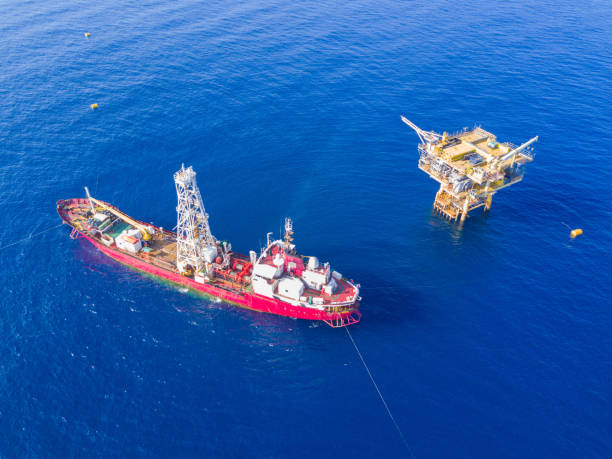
491 339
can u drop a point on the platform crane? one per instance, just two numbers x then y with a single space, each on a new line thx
425 136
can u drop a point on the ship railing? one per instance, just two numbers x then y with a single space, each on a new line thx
75 234
337 320
163 263
233 283
336 308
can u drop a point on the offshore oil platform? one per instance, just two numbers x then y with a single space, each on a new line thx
471 166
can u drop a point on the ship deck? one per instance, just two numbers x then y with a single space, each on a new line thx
160 250
468 149
344 293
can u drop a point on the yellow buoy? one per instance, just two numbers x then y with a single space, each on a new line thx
575 232
87 34
94 106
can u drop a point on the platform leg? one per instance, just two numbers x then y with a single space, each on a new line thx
465 209
488 203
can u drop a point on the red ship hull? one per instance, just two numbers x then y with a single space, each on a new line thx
337 316
246 299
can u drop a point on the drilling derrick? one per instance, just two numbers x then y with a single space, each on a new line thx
195 245
471 166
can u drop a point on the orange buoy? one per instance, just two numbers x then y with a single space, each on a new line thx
87 34
94 106
575 232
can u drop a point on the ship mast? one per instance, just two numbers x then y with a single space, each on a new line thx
288 231
192 230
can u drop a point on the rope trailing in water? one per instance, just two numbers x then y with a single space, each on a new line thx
30 237
397 427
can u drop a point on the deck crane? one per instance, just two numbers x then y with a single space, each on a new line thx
425 136
147 231
514 152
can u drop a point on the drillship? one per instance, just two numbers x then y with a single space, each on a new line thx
277 280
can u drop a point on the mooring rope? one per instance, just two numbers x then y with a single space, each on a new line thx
30 237
397 427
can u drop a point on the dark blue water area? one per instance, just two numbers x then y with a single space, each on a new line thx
487 339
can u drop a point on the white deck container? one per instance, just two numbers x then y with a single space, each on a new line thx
128 243
291 288
267 271
263 287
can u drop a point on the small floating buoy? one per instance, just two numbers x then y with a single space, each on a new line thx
87 34
94 106
575 232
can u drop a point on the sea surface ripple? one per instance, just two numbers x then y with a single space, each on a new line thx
490 339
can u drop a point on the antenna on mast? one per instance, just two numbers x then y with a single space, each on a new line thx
288 231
